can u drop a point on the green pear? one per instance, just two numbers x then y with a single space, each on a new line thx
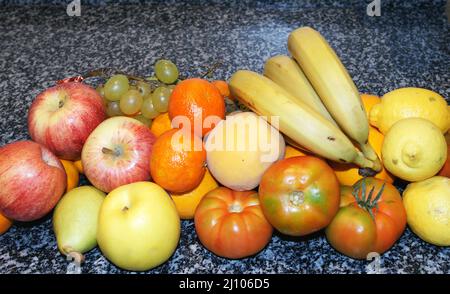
75 220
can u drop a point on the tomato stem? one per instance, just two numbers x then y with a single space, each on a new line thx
365 201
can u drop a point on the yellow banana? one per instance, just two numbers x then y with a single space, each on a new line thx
333 84
297 120
284 71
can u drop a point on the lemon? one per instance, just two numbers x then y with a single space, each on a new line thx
427 205
410 102
414 149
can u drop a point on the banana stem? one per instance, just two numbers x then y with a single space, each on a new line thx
377 165
361 161
370 154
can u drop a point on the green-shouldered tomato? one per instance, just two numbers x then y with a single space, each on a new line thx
231 223
371 218
299 195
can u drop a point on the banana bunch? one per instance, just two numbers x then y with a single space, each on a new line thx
314 98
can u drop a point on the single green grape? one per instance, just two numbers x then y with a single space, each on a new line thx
147 108
131 102
116 86
160 99
144 120
143 88
113 109
166 71
101 90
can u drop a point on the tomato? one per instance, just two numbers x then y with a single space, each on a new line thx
371 218
299 195
231 224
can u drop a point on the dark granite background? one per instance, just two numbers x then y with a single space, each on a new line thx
408 45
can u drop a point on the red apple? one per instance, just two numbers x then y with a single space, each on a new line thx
118 152
62 117
32 180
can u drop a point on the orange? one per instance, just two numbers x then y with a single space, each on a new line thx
369 101
292 152
160 124
197 100
5 224
72 174
223 88
187 203
79 166
347 174
178 161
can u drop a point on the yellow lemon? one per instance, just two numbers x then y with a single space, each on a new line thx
427 205
187 203
414 149
410 102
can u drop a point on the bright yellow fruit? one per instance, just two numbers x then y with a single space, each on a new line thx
79 165
72 174
348 174
292 152
410 102
187 203
161 124
369 101
138 226
427 205
5 224
414 149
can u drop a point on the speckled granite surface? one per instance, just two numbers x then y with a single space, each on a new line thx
406 46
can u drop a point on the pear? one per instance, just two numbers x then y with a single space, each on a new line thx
75 220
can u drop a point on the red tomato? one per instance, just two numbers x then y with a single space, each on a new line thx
231 224
371 218
299 195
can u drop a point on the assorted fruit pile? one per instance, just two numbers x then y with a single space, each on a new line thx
312 154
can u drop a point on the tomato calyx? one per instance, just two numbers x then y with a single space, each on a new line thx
367 201
235 208
296 198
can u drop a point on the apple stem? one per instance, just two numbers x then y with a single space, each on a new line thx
115 152
77 257
107 151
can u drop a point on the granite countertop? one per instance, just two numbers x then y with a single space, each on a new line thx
408 45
